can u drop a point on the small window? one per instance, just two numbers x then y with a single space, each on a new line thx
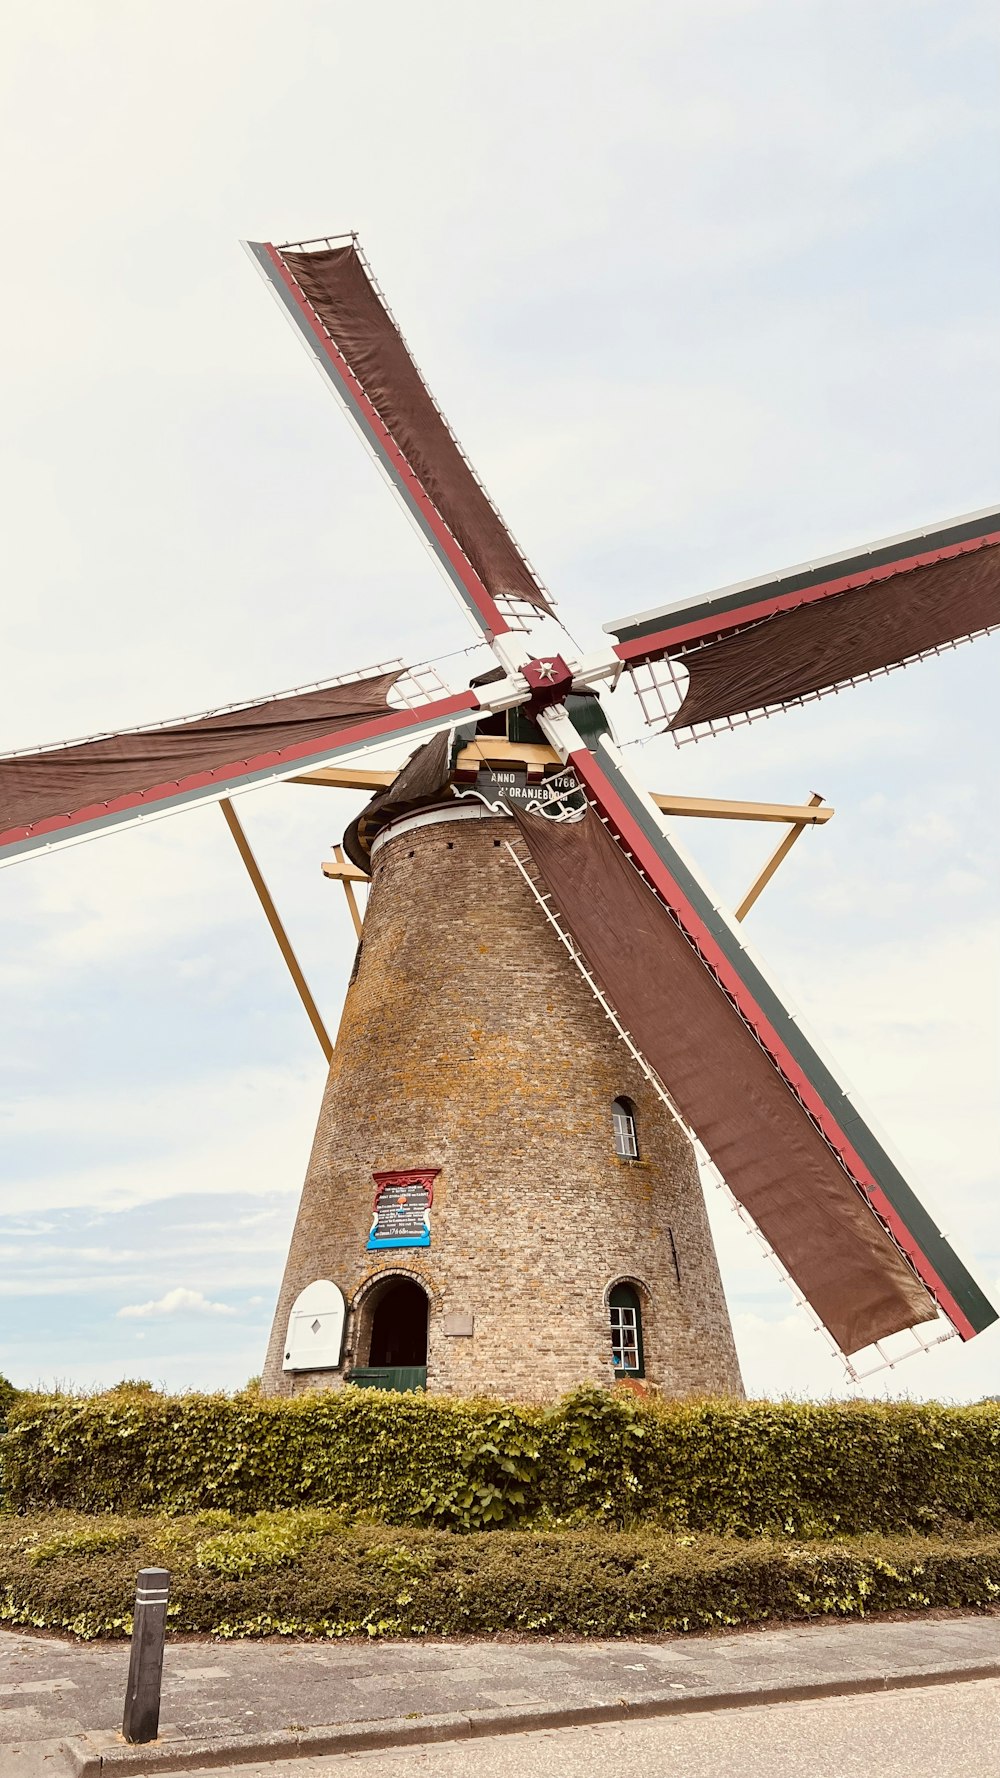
626 1332
623 1125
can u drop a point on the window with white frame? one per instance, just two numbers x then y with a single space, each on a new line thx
626 1331
623 1127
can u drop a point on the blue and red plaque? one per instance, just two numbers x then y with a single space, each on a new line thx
402 1209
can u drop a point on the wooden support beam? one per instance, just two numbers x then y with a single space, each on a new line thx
777 856
349 875
723 809
346 778
494 750
274 921
338 868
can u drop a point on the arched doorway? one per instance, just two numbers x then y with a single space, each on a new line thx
394 1337
399 1327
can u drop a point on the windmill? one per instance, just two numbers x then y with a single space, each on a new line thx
551 1015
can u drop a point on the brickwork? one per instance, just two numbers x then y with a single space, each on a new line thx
470 1042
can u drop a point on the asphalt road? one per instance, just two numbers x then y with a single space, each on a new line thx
943 1731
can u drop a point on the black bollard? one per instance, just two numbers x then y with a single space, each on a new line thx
145 1667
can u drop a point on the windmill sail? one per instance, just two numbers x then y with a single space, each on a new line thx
63 793
333 301
770 643
792 1147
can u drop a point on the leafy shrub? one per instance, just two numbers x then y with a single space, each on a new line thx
100 1534
378 1582
8 1396
266 1542
495 1475
599 1457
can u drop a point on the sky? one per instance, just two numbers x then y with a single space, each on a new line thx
706 289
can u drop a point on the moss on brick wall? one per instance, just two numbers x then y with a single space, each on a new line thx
720 1467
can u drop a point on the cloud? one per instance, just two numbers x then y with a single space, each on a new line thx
176 1302
244 1131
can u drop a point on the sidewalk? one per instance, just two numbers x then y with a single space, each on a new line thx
61 1703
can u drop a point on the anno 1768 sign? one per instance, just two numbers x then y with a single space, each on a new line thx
402 1209
511 786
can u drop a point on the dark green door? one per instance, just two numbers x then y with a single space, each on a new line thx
402 1378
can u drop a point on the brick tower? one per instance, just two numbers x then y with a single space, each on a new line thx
476 1070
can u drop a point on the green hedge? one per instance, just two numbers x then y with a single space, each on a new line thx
8 1396
731 1468
277 1575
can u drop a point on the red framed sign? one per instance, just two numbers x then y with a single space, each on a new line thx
402 1208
